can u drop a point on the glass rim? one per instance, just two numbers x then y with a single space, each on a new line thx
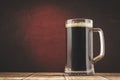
80 19
79 22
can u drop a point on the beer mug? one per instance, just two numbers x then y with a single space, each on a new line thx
80 59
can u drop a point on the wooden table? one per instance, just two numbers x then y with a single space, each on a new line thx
55 76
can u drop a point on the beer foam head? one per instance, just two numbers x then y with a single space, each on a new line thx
79 22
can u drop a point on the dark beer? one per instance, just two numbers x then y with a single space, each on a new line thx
78 45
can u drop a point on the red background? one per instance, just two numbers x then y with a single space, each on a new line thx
33 35
43 35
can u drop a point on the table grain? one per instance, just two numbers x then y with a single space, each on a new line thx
55 76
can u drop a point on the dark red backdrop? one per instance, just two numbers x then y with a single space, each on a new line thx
33 36
42 29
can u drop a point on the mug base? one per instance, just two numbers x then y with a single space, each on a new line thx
69 72
78 74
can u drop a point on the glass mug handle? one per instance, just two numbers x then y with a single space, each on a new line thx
102 45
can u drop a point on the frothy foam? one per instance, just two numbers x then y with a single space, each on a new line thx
81 24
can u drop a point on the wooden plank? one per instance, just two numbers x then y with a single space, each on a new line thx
60 76
85 78
46 76
14 75
110 76
55 76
